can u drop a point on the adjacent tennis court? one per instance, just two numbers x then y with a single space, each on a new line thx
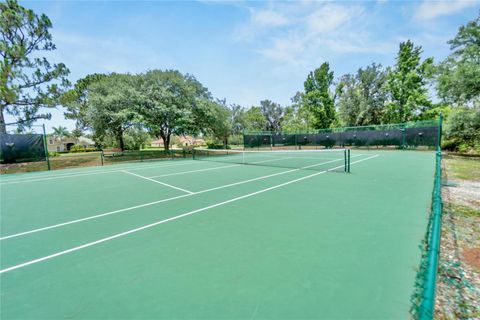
242 236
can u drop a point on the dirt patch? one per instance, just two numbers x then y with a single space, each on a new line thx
472 257
23 167
462 192
458 285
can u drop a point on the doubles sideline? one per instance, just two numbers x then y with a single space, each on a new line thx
148 226
163 200
95 172
79 174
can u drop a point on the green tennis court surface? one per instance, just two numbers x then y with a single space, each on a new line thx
200 239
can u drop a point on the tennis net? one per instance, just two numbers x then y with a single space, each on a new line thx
337 160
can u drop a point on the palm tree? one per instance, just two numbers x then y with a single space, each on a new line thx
60 132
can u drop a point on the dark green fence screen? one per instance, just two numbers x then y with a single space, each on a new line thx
405 135
17 148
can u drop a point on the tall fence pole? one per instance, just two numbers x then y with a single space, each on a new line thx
45 147
427 307
440 127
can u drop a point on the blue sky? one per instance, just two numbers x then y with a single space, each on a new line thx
244 51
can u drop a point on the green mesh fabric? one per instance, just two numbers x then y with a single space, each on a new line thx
17 148
405 135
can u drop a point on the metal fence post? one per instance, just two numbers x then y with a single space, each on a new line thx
45 147
440 125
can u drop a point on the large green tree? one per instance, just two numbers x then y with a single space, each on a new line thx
462 130
273 113
254 119
112 103
28 82
173 103
60 132
297 116
237 118
225 120
458 76
76 103
407 85
219 120
349 100
361 97
318 98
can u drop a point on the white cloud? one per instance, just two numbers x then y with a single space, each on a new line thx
311 29
260 21
359 45
286 49
331 17
432 9
268 18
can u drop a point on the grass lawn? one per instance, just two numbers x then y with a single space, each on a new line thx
464 168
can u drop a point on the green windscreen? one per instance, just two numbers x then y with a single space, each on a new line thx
17 148
405 135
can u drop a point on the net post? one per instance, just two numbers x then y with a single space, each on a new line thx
193 153
45 147
101 157
348 160
345 160
243 138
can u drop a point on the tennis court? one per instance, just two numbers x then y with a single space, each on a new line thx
295 237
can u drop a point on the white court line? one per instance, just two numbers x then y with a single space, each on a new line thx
76 174
69 175
193 171
157 201
216 168
122 234
156 181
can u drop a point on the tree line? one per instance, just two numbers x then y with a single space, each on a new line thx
164 103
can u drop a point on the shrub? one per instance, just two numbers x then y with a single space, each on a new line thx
136 139
450 144
80 148
463 129
235 140
464 148
77 148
